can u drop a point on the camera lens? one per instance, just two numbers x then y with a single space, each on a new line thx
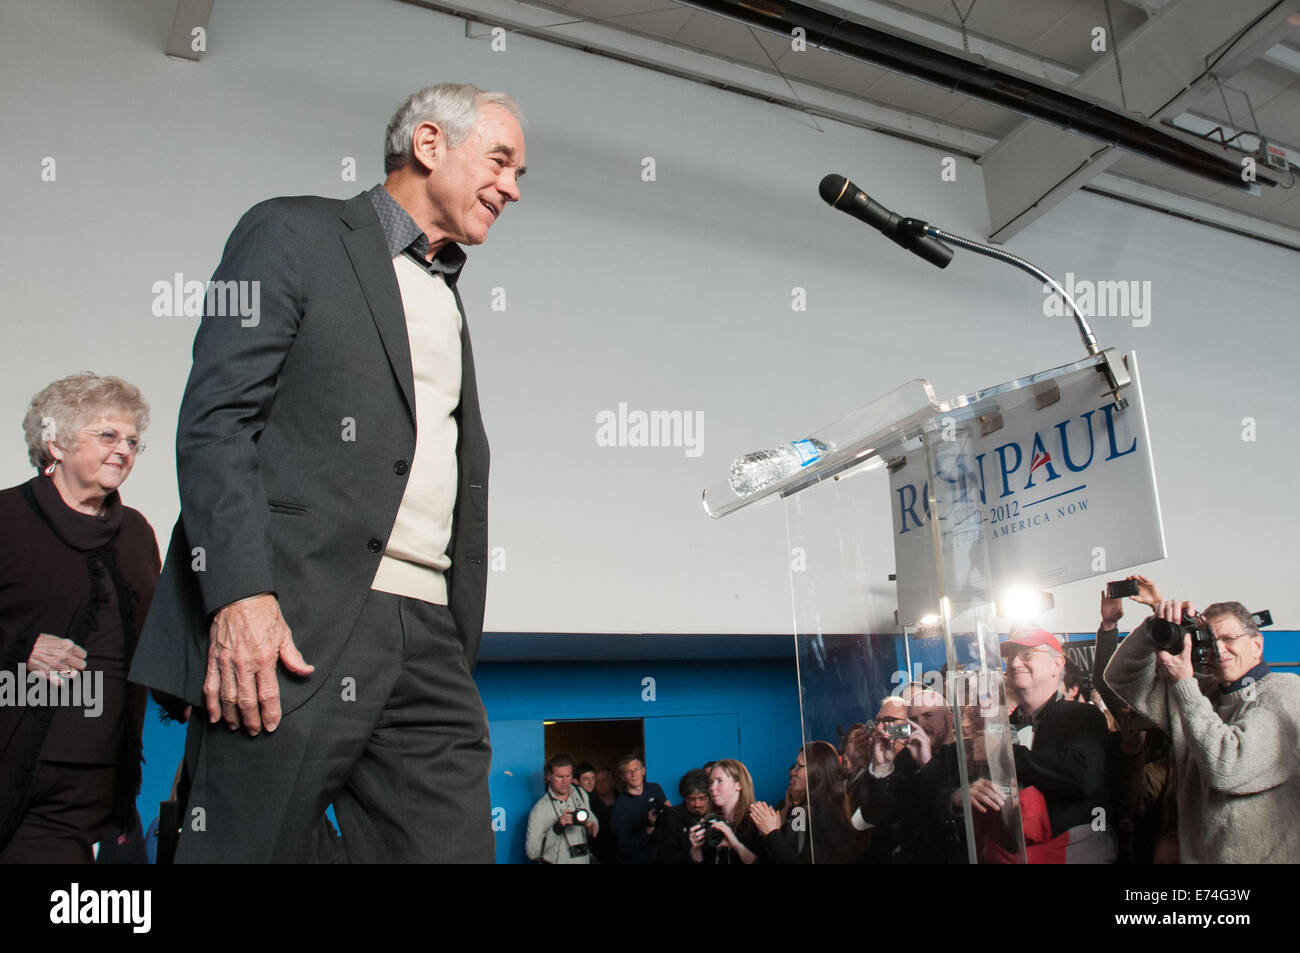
1166 635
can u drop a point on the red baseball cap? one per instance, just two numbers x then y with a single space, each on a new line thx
1030 638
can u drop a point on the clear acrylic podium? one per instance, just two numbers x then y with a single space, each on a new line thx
910 467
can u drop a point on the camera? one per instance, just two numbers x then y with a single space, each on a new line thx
580 817
1122 588
712 836
1168 637
896 730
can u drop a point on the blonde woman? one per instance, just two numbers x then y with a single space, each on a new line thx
77 574
728 835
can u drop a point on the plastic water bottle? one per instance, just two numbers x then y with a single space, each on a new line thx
753 471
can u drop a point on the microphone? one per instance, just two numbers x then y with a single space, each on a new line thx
838 192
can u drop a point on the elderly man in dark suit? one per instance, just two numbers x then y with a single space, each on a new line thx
323 594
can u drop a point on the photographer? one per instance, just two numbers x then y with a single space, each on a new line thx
909 789
671 838
729 835
635 813
561 820
1141 760
1235 730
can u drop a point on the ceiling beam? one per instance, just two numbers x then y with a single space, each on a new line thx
1196 210
932 30
1037 166
676 60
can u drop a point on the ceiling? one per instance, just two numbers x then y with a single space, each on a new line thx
1215 69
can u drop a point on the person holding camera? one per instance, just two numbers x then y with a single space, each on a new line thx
1234 726
913 762
1141 759
561 820
728 835
635 812
671 838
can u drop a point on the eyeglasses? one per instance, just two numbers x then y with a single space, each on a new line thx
1231 638
111 440
1024 654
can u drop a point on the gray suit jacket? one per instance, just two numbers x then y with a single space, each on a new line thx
274 497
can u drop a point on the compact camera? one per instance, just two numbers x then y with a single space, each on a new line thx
897 730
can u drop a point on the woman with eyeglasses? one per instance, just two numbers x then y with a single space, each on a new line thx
77 573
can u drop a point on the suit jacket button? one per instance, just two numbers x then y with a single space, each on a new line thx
400 467
375 546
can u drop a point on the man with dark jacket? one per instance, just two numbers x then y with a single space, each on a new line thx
322 599
671 838
1061 747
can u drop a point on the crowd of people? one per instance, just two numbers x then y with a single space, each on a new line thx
1175 756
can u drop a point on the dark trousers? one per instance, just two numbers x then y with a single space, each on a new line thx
395 738
67 810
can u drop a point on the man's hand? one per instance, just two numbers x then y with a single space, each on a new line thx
764 817
1175 668
919 745
882 746
985 796
590 824
1148 594
1173 610
247 638
566 818
54 657
1112 610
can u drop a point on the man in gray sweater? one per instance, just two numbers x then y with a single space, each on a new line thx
1235 732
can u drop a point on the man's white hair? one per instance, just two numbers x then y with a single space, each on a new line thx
453 107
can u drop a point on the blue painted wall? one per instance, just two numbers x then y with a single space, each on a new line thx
688 722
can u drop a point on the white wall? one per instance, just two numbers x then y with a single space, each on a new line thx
665 295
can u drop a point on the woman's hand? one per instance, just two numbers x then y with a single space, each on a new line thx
697 842
727 833
56 658
764 817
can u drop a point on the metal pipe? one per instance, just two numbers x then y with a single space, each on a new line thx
962 75
1085 330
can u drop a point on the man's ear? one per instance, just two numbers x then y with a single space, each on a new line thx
428 145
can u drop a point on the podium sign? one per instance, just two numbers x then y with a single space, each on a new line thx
1050 483
1039 481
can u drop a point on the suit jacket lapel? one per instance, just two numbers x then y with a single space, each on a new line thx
368 250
